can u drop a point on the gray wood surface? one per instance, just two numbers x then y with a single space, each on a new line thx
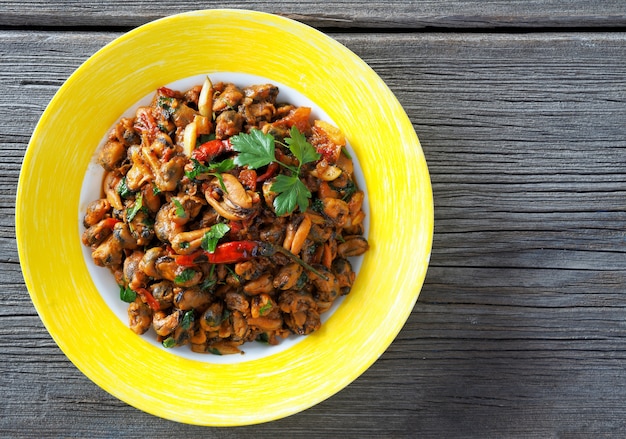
413 14
520 330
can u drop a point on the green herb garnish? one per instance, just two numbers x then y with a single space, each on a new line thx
167 104
291 192
299 147
169 342
127 295
188 320
209 281
210 239
317 205
265 308
263 338
130 213
203 138
257 149
349 190
185 276
180 210
123 190
213 169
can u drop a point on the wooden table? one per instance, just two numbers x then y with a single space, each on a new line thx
520 329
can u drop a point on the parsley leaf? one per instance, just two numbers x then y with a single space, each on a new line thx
211 169
188 319
255 149
210 281
123 190
127 295
263 338
167 104
169 342
291 193
210 238
130 213
186 275
300 148
265 308
214 351
180 210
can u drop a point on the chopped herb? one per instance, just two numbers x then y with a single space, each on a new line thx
317 205
346 153
184 245
188 320
232 272
211 238
167 104
127 295
207 283
263 338
169 342
213 169
123 190
257 149
155 189
265 308
210 281
349 190
180 210
226 315
221 180
203 138
130 213
186 275
214 351
147 221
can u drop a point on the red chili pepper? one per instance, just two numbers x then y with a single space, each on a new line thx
145 123
167 92
272 170
110 223
234 251
239 251
149 298
211 149
226 253
191 259
235 228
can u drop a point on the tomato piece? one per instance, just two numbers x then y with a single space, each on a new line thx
247 177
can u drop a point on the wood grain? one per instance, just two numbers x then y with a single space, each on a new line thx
415 14
520 330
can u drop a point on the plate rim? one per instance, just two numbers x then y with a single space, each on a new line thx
280 410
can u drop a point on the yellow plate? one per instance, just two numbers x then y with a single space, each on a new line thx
185 389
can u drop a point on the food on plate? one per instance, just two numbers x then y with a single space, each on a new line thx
226 217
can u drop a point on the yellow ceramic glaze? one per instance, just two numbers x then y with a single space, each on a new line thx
82 112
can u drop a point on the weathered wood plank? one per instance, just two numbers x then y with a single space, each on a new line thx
519 330
416 14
